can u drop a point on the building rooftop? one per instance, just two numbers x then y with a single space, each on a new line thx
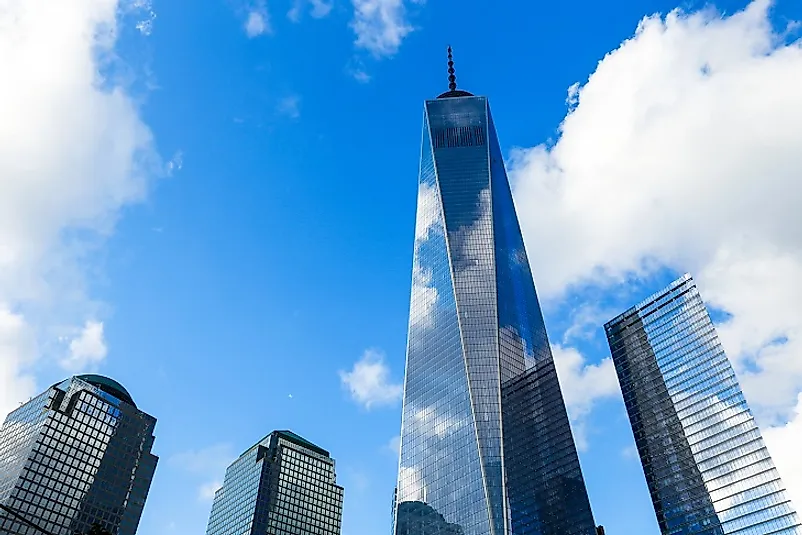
456 93
301 441
108 385
652 298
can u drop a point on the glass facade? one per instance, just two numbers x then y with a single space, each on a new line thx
76 455
705 462
283 485
486 446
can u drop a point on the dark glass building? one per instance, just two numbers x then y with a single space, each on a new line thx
76 455
486 446
706 466
283 485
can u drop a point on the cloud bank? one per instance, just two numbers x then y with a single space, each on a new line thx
683 151
73 152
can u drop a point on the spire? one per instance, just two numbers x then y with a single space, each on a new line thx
452 79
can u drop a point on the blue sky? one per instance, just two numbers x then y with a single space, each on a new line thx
224 223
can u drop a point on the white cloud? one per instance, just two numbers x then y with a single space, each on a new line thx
394 445
783 443
87 349
380 25
586 320
176 163
361 76
207 490
208 464
17 350
143 9
582 386
435 423
356 478
356 68
411 486
258 21
73 152
214 458
759 285
369 381
317 8
320 8
428 217
290 106
294 14
630 453
424 299
428 220
683 150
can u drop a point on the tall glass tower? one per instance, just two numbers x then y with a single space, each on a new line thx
76 455
706 466
486 447
283 485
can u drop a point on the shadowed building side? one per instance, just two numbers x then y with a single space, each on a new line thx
659 438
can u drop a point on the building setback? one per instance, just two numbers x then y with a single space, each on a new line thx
486 446
283 485
76 455
706 466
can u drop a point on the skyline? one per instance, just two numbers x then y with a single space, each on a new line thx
224 203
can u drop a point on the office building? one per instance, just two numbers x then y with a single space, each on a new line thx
76 455
283 485
486 446
706 466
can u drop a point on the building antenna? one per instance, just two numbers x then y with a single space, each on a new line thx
452 79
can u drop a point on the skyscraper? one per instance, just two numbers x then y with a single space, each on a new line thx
283 485
486 447
706 466
78 454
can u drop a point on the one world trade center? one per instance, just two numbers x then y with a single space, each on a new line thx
486 446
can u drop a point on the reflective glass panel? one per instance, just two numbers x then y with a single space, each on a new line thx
705 463
478 358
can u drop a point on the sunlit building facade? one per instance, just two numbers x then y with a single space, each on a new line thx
706 466
486 445
78 454
282 485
